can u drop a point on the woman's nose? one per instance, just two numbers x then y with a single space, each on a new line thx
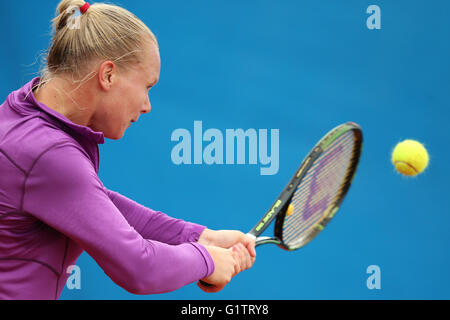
147 106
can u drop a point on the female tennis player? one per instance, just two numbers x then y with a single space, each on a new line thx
101 63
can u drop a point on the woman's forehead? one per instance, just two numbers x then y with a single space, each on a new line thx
152 61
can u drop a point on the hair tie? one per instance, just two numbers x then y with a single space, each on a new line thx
84 8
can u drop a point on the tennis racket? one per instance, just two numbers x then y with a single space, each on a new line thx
315 192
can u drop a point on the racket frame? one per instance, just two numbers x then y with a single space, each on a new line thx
279 208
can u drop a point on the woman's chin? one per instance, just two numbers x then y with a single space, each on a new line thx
115 135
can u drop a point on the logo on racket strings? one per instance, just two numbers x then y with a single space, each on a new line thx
316 186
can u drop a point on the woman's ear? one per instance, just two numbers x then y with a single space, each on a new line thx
107 75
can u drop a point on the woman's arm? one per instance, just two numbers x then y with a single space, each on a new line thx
64 191
155 225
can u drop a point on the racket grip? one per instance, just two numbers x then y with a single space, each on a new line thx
251 235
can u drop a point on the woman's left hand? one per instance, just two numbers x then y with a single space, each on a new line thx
241 245
227 239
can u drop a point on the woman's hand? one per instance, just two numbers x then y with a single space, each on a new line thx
225 267
239 245
227 239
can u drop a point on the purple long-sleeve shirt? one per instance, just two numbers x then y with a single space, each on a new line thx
53 207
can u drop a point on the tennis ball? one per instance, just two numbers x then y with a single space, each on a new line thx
290 209
410 157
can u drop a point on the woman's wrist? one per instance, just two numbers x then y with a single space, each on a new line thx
206 237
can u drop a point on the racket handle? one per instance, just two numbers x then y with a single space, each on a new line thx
206 284
251 235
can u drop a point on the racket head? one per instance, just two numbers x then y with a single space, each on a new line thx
317 189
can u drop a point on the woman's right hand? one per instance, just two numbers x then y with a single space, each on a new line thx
225 267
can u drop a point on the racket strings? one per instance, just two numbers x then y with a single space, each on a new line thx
310 204
297 227
320 188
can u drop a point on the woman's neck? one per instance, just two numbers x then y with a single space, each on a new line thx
62 98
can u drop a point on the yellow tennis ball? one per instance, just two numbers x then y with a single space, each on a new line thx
410 157
290 209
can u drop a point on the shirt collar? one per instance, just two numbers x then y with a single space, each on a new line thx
26 95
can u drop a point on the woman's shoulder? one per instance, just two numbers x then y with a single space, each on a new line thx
27 140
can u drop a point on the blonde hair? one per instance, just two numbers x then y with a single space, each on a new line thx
104 31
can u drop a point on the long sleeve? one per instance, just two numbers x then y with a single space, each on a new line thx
64 191
155 225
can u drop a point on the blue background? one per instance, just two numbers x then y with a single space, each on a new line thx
302 67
